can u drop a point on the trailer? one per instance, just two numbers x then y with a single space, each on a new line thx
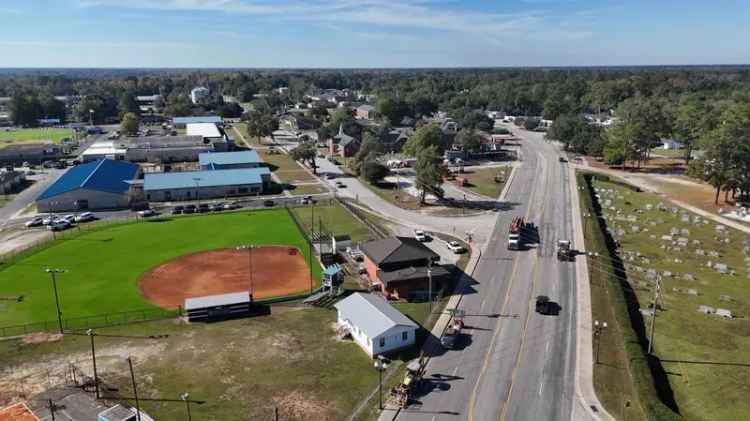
515 232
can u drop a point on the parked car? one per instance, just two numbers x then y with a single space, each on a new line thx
330 176
232 205
189 209
69 218
85 217
455 247
420 235
203 208
268 203
36 222
146 213
217 207
58 225
340 185
48 219
177 210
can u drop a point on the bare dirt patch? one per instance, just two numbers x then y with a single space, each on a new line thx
276 271
298 406
17 412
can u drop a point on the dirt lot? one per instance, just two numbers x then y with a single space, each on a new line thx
18 412
277 270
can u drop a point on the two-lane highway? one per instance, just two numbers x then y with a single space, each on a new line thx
514 364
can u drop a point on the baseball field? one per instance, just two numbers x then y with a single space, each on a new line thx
104 265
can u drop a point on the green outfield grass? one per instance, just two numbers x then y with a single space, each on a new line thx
9 137
104 264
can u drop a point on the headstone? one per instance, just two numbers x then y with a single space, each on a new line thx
713 253
685 232
721 268
647 311
649 206
635 228
724 297
688 277
674 231
685 218
706 309
667 274
674 209
692 291
720 228
651 274
700 252
722 312
666 238
682 241
677 260
652 237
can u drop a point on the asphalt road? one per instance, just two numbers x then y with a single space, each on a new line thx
513 363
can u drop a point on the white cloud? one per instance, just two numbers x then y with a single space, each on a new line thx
437 16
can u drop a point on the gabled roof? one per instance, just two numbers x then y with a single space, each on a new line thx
397 249
372 314
229 158
102 175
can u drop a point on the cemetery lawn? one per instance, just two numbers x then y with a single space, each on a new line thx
706 357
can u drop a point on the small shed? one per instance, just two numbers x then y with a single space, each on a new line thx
218 307
117 413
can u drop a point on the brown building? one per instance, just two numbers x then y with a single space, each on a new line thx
399 265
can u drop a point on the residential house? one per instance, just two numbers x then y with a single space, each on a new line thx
148 103
375 325
296 123
342 144
671 144
365 111
199 94
394 139
402 267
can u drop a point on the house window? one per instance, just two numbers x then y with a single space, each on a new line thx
404 336
382 342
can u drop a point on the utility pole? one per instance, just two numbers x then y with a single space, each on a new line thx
429 279
91 335
51 407
185 397
598 331
657 292
135 390
52 273
197 191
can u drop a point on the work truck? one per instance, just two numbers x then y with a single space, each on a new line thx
515 233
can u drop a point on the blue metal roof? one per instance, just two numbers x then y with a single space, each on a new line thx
229 158
103 175
187 179
197 119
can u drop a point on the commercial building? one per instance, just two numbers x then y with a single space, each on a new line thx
196 185
199 94
166 149
207 131
103 150
149 103
402 267
182 122
230 160
96 185
374 324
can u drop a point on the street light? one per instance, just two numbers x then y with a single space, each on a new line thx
52 273
381 364
249 248
91 334
598 331
184 397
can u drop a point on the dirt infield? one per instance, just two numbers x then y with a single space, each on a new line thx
278 270
17 412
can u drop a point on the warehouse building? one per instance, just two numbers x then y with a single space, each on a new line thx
182 122
96 185
208 131
197 185
33 153
230 160
103 150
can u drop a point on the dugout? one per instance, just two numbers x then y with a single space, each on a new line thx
210 308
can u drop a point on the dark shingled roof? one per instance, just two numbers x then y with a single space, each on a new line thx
411 274
397 249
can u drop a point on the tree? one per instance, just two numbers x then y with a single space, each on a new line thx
128 104
693 121
25 110
305 152
424 137
393 109
130 124
372 170
640 124
477 120
369 149
230 110
259 124
52 107
178 106
429 173
576 134
469 140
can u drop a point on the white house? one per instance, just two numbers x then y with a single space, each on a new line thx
199 94
374 324
671 144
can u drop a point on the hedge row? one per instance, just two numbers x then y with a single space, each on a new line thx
649 379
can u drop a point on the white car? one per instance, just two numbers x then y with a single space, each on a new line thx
455 247
34 223
48 219
69 218
420 236
58 225
146 213
85 217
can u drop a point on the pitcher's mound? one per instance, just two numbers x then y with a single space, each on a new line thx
276 271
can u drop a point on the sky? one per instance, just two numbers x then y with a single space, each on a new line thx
372 33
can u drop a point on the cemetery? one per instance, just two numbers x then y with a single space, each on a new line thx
702 305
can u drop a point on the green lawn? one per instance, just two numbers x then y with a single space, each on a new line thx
104 264
334 218
240 368
705 357
482 181
287 169
8 137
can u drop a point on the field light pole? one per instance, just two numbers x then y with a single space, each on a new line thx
135 390
52 273
657 292
598 331
197 191
91 334
380 364
249 248
184 397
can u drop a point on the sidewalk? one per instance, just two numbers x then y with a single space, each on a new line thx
584 377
